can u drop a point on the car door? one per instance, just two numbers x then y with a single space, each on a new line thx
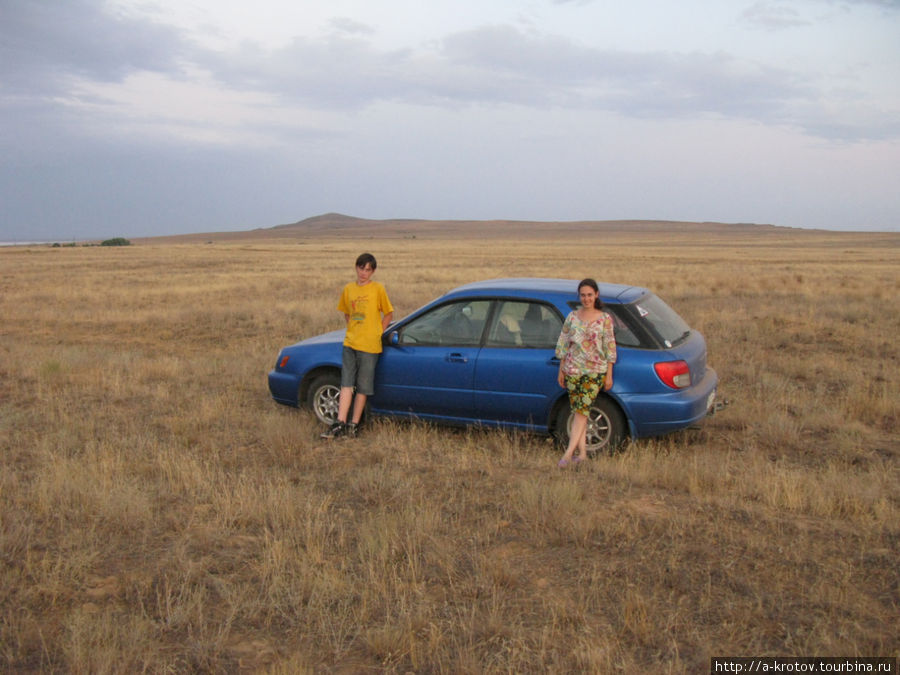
516 374
428 369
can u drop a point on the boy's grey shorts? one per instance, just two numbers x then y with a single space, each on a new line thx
359 370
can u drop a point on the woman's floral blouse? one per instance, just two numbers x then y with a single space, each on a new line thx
586 348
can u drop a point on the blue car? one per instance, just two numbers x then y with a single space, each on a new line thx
483 354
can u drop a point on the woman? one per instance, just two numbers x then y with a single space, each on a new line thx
586 350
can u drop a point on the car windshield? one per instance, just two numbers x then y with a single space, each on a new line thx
662 320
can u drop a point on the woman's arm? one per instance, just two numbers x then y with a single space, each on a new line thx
609 339
562 348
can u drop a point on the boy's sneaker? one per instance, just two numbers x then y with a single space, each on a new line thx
350 430
336 430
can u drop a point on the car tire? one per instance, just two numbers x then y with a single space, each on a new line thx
606 426
324 397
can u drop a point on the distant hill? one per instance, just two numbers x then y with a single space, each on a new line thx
343 226
334 223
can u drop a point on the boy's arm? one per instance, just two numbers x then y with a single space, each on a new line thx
385 304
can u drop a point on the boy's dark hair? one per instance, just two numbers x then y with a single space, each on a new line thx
366 259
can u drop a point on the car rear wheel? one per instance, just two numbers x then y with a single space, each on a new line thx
324 397
606 426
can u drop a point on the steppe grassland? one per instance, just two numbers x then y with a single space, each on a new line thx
160 512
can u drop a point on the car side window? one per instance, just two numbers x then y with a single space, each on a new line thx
453 324
524 324
625 336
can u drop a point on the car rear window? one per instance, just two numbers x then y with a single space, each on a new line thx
661 319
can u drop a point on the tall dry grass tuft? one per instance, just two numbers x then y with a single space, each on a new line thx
159 513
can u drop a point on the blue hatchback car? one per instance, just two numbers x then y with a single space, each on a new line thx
483 354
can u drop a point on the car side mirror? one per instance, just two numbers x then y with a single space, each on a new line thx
394 337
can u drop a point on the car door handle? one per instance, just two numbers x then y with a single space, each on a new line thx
456 357
554 361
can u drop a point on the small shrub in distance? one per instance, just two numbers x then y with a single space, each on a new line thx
116 241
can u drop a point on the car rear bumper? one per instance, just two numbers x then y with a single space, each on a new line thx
662 413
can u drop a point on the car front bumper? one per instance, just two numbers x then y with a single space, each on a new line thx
284 387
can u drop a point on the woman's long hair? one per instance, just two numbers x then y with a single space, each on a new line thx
598 303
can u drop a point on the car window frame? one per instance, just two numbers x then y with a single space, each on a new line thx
400 330
625 315
498 303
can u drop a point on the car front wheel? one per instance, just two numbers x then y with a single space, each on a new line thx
324 397
606 426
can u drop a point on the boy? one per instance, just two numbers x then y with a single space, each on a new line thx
368 312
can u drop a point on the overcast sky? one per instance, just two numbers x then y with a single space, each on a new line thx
145 117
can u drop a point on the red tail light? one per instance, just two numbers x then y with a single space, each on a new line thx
675 374
283 362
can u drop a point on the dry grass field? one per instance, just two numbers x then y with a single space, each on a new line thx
160 513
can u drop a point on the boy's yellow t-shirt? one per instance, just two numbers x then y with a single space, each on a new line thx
365 306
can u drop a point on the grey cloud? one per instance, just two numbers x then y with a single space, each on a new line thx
336 72
772 16
558 72
887 4
502 65
45 42
351 26
775 15
499 65
853 132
